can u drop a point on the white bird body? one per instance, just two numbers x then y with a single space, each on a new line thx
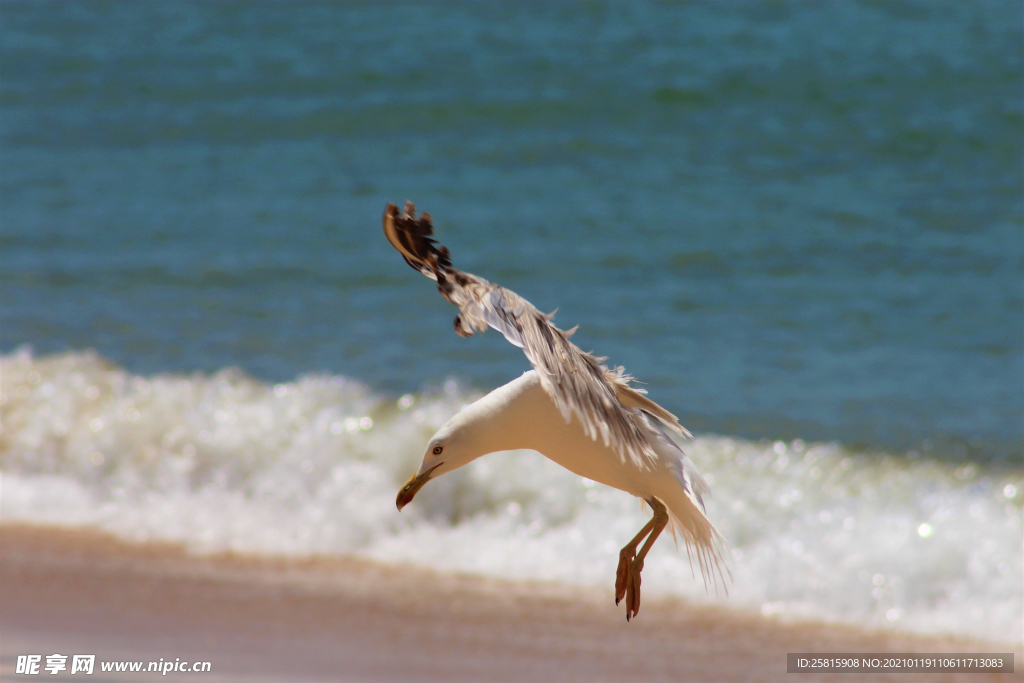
571 408
521 415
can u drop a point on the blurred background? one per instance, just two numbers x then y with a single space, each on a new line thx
798 223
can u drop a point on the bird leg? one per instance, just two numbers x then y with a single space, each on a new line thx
626 556
627 576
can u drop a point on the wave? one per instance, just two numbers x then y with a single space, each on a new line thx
226 462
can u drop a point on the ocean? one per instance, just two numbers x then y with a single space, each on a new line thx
800 225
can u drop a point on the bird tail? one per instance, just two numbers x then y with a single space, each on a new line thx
701 538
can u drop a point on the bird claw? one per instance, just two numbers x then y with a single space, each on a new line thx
627 575
622 573
631 588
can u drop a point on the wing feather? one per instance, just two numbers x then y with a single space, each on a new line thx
579 383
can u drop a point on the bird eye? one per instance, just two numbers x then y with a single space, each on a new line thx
437 450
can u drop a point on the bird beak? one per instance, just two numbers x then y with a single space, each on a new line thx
415 483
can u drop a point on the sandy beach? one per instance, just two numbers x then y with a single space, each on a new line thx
272 619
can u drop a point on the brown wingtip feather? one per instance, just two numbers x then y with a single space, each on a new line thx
413 238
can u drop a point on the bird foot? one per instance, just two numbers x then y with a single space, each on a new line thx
633 588
627 581
622 573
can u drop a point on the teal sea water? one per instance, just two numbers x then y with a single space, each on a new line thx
799 224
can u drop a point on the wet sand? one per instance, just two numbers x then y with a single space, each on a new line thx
330 619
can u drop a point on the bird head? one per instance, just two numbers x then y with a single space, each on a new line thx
432 461
484 426
450 448
459 441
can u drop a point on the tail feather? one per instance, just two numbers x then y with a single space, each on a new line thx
700 537
683 495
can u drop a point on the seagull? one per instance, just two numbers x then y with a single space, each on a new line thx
571 408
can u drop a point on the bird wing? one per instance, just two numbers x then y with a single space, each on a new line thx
579 383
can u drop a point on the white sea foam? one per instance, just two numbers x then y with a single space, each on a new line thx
226 462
